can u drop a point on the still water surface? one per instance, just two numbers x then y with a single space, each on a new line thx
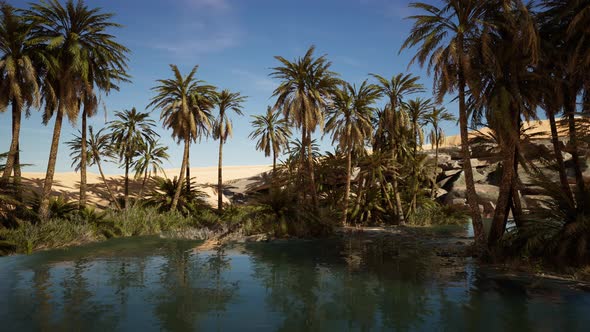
145 284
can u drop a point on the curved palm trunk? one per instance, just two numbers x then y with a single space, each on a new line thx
17 175
347 190
220 178
467 170
104 180
181 176
13 152
570 110
48 183
83 158
141 190
565 187
396 195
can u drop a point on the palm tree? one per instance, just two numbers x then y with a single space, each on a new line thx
273 134
185 109
70 37
98 148
396 90
222 129
150 159
130 133
417 110
19 84
105 79
564 28
509 92
437 135
306 86
445 35
350 124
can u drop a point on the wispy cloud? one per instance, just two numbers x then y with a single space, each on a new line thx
198 46
206 26
260 82
212 4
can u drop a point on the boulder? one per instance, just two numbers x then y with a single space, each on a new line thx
485 193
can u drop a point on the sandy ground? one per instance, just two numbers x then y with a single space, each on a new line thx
67 184
540 129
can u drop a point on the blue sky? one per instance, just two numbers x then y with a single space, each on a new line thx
233 42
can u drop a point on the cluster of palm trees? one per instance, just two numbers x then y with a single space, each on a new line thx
61 58
310 96
503 60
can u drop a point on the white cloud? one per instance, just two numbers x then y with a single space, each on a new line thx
198 46
260 82
212 4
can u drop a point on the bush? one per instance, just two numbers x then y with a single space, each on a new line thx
437 214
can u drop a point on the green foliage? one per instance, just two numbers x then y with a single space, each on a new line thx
432 213
555 231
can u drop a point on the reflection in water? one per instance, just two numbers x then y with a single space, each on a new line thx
357 284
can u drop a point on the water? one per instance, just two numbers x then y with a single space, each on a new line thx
145 284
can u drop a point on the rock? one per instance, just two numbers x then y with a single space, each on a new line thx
485 193
458 202
479 162
458 180
450 165
536 201
257 238
440 192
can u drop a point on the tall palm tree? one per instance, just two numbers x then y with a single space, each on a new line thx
396 89
222 129
437 135
130 133
564 28
350 124
149 162
307 84
184 104
509 93
445 36
70 37
19 78
273 134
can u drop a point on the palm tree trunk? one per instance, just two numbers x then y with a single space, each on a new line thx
220 177
565 186
503 203
570 110
17 175
83 158
467 170
127 181
104 180
312 186
181 176
347 190
16 124
143 182
432 192
188 171
48 183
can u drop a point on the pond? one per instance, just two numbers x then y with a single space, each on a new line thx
149 283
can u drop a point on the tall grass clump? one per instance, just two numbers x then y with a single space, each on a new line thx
436 214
